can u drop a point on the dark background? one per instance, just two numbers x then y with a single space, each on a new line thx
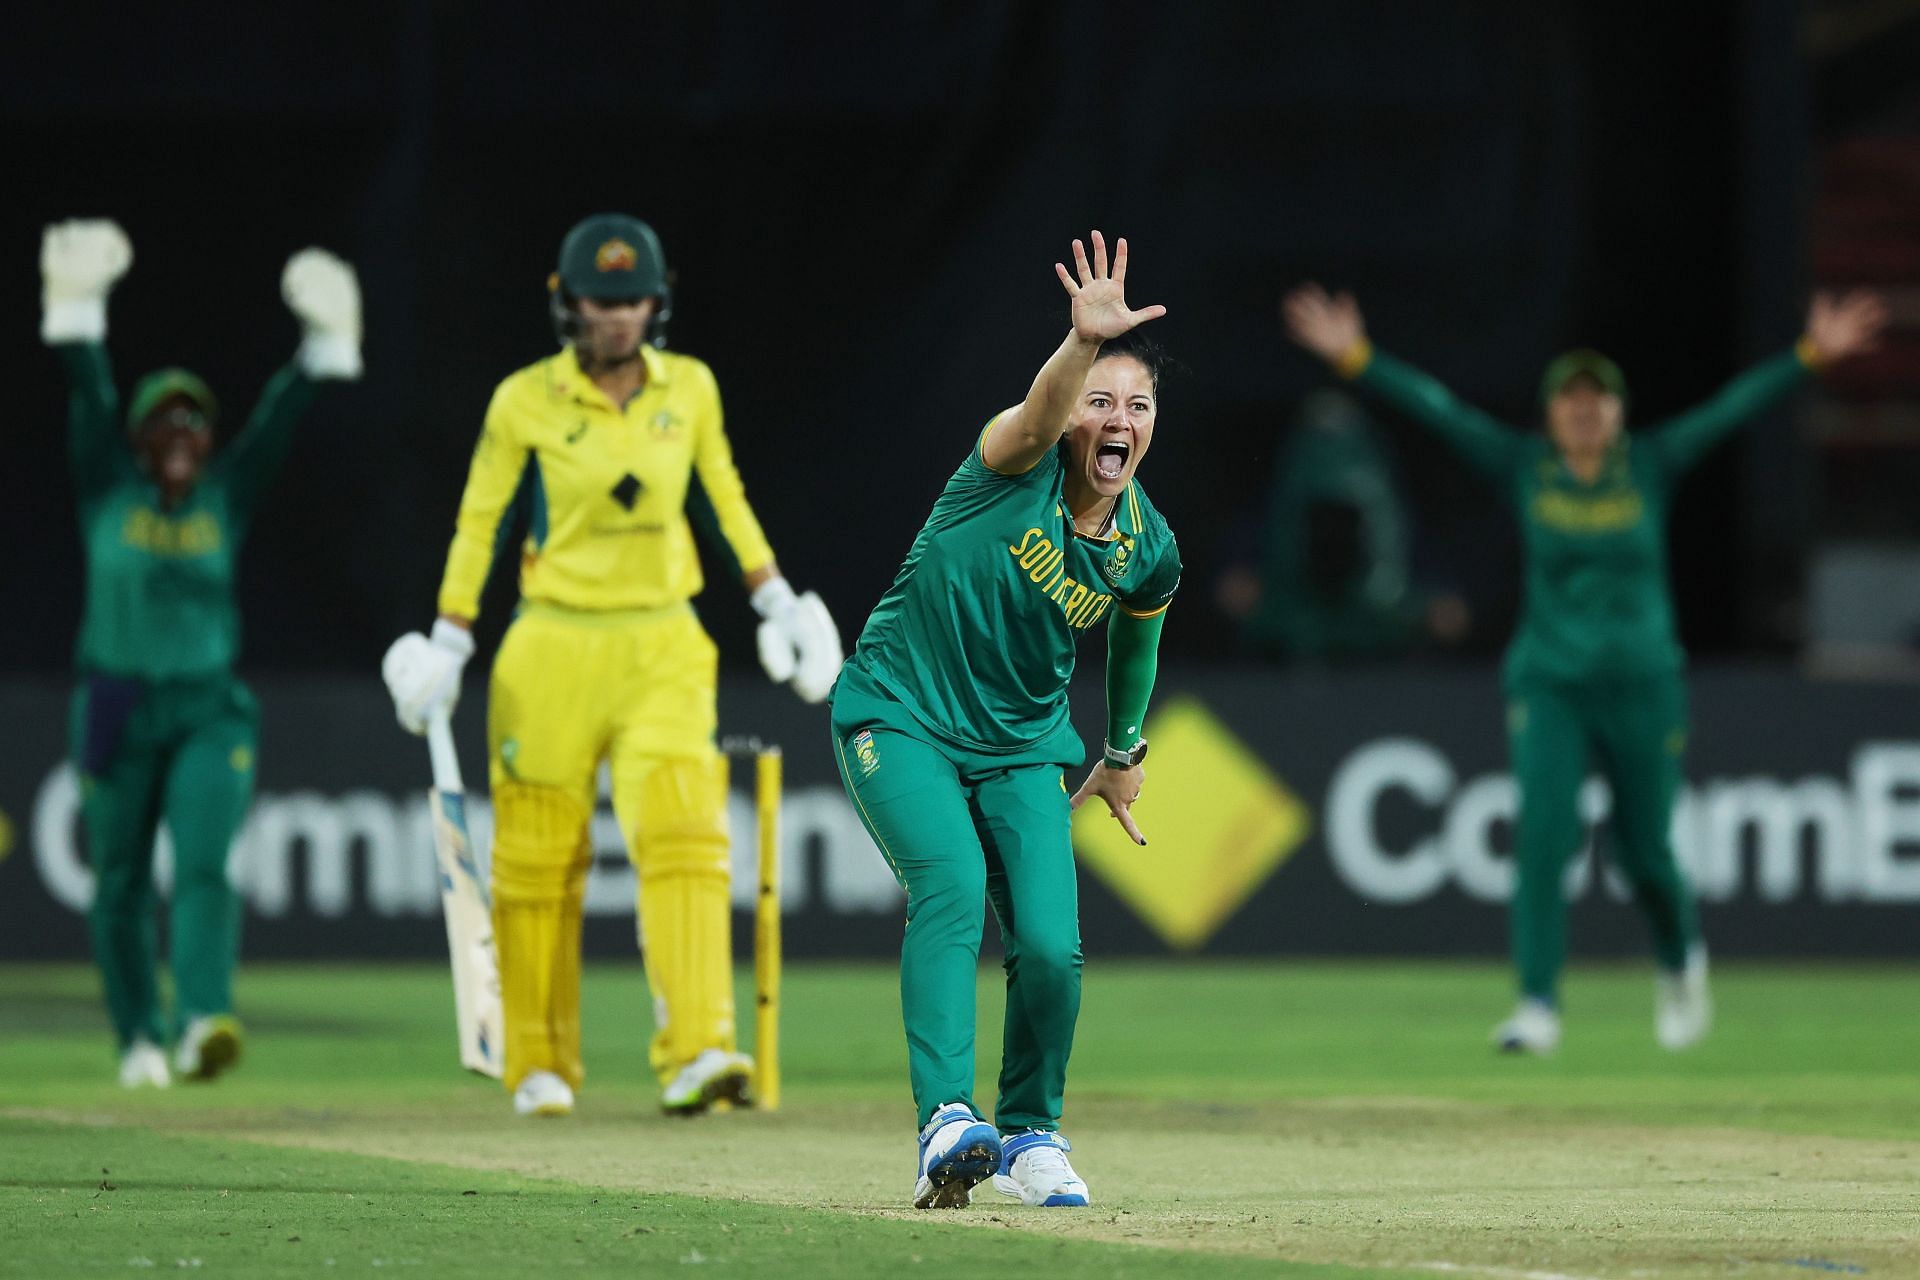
862 205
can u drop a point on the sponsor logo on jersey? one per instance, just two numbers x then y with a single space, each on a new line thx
1583 513
1045 567
156 534
615 255
865 752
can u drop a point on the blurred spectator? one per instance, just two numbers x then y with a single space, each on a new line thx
1327 574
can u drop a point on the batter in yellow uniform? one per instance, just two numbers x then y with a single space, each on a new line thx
604 446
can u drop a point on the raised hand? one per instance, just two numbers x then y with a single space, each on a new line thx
322 290
1842 325
1329 325
1100 308
80 259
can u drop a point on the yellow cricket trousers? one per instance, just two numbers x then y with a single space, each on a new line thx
636 688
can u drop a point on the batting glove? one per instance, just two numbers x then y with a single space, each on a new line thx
321 289
799 645
423 673
80 259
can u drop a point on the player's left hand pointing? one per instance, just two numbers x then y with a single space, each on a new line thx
1119 788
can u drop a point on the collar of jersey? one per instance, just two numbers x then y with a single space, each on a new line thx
1126 503
569 380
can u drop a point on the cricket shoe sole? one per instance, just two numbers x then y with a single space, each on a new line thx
957 1154
208 1047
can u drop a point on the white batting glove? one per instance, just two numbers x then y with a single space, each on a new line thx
423 673
799 645
80 259
322 290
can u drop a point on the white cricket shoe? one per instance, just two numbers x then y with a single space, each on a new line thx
1533 1028
210 1045
1682 1007
1034 1170
144 1064
714 1076
542 1093
958 1151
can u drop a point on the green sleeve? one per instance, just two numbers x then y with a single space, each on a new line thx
254 457
1680 442
1487 443
706 522
96 444
1133 659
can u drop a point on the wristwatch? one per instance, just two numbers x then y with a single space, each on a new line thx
1124 759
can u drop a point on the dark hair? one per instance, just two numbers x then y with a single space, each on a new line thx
1137 346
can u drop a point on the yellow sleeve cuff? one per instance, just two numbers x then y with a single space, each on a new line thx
1809 354
1354 360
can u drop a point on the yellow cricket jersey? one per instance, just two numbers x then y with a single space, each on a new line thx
606 488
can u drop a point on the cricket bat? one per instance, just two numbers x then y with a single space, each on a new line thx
469 913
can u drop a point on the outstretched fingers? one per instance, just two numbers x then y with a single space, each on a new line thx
1100 257
1080 264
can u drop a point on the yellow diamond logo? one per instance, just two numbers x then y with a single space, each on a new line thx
1219 822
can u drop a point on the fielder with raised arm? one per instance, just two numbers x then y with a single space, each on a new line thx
608 444
161 727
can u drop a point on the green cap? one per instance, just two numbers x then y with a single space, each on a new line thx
612 255
1584 362
162 385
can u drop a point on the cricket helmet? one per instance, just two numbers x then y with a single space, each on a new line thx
605 257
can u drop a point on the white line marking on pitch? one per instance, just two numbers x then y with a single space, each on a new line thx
1505 1273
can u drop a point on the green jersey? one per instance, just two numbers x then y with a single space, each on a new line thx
976 636
160 583
1597 602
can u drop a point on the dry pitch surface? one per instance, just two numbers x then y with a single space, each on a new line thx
1286 1119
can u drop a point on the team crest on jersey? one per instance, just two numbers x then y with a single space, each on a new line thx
1114 567
665 423
615 255
865 752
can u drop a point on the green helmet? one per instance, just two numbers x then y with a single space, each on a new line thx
164 384
609 256
1582 363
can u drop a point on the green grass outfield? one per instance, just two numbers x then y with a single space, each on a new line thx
1273 1119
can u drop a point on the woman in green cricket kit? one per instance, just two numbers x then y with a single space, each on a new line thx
1595 664
161 728
950 731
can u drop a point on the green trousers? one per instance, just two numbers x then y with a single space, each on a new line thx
1635 730
961 829
182 751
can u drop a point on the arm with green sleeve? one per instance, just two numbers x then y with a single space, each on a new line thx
324 295
96 446
256 455
1133 661
1684 440
81 260
1485 442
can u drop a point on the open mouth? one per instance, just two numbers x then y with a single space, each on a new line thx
1110 459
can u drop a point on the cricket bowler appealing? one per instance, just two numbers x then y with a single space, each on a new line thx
607 444
951 734
161 728
1595 666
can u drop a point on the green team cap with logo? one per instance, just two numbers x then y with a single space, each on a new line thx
612 255
1582 363
163 385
